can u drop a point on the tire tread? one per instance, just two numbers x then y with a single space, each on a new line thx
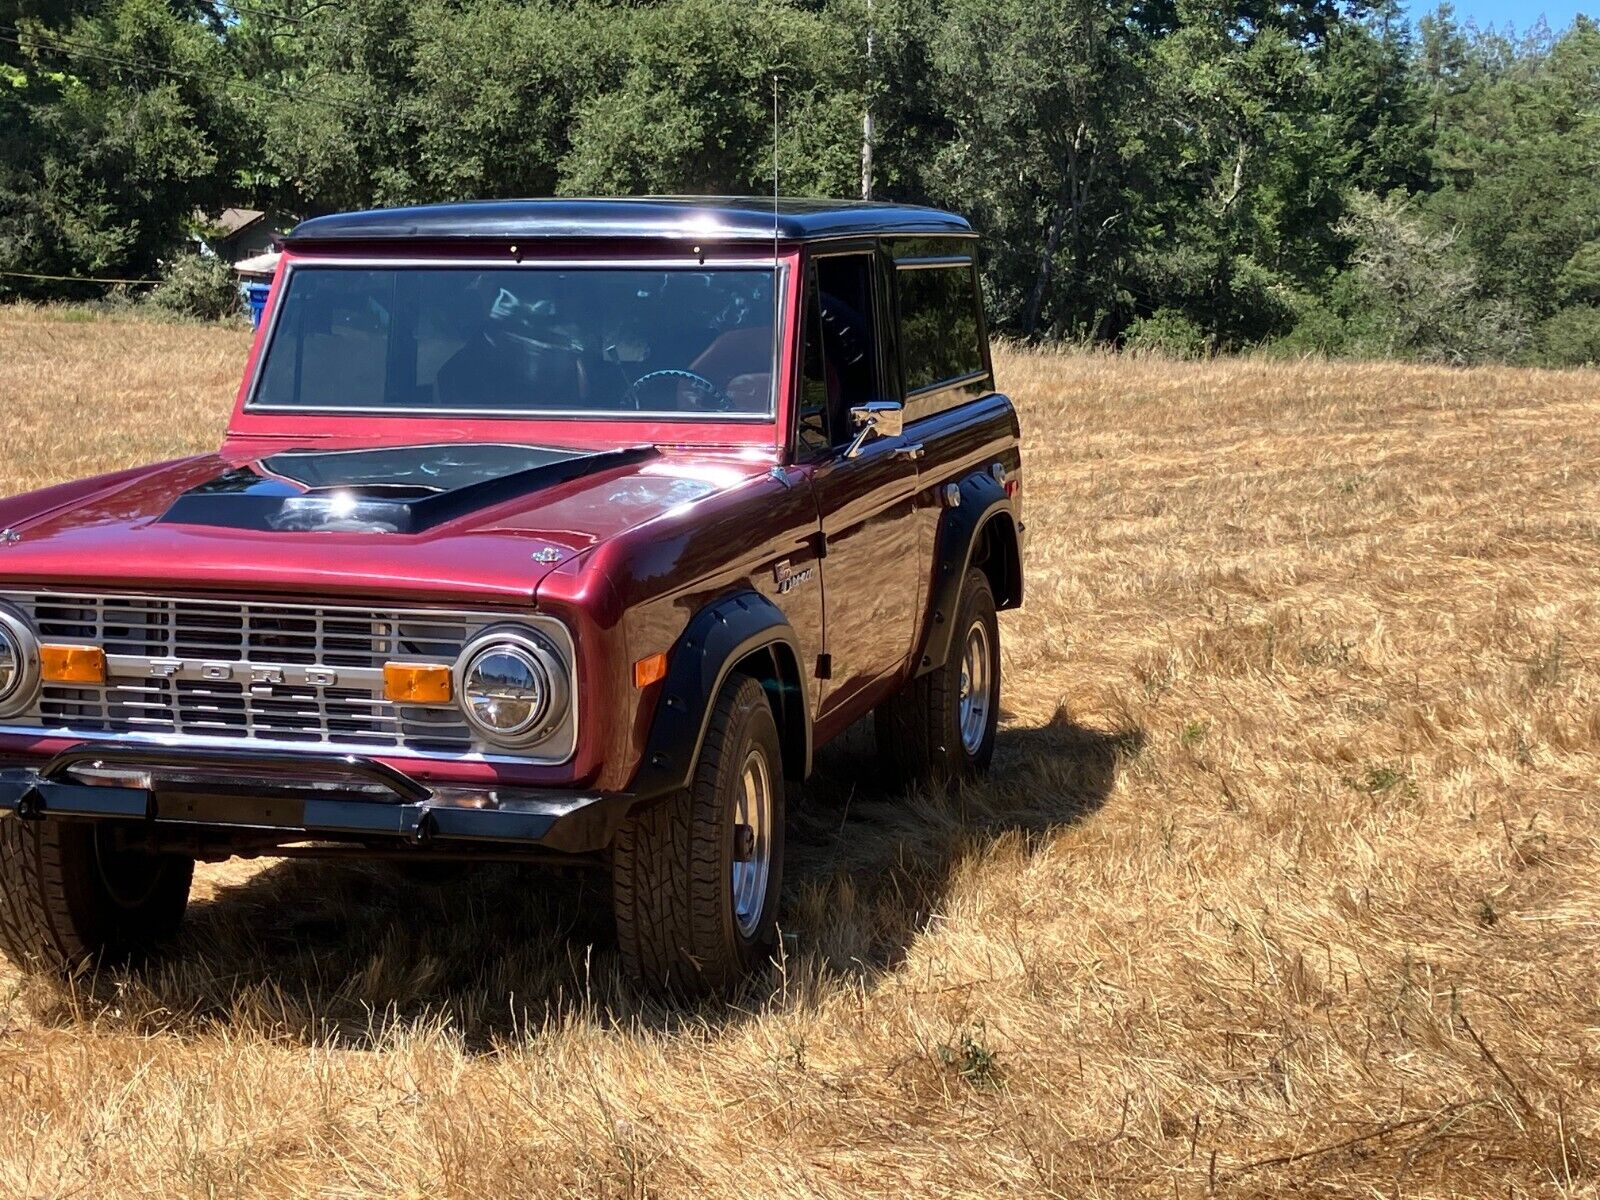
667 867
36 919
55 913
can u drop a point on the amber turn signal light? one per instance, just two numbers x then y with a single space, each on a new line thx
647 670
72 664
414 683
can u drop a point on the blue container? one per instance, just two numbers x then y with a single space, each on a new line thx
256 293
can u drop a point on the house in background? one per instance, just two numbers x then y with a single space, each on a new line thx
237 233
244 239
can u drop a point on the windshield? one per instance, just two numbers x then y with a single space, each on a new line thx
522 341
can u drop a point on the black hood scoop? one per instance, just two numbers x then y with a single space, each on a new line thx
391 489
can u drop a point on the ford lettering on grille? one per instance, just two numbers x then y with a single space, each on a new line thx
119 665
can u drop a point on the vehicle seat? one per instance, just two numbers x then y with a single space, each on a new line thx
490 373
740 363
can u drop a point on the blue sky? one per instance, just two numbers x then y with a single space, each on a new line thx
1521 13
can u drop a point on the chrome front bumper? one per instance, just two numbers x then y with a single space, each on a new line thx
286 797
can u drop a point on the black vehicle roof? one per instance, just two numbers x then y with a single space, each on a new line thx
680 218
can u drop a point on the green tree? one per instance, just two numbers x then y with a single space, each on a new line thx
1412 293
1521 165
1047 161
1242 168
1194 174
342 130
119 120
692 109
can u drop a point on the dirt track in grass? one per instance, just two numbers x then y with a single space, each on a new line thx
1288 877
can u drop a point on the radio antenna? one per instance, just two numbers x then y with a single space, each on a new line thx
774 169
776 309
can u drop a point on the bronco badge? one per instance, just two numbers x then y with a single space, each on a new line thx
788 578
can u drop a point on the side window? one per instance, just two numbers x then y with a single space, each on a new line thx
938 323
840 367
813 436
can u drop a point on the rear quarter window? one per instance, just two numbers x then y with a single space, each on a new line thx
939 325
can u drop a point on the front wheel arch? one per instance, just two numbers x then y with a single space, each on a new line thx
743 633
775 667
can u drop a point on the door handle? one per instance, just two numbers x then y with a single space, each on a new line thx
913 451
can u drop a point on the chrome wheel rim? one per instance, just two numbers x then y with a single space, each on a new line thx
977 673
752 842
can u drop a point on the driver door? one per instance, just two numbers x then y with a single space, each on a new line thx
871 565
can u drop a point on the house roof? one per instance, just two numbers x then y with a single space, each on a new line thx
233 221
679 218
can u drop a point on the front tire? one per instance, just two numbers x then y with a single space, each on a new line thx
941 726
69 895
696 877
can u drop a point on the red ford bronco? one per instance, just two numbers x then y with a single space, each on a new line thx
541 528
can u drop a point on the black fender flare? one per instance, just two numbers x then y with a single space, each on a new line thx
983 499
719 637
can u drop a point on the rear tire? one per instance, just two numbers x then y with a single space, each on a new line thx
941 726
696 877
69 895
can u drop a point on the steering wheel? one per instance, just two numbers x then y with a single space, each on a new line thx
717 400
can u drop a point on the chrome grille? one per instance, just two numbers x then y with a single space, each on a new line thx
284 673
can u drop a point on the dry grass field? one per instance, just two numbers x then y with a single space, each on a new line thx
1287 879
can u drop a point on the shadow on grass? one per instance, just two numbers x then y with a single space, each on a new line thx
871 865
356 953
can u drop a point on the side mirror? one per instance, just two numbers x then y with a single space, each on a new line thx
876 418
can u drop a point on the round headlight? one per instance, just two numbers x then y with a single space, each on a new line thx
10 663
507 691
19 663
513 688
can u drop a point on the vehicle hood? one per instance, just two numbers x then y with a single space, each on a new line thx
454 522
